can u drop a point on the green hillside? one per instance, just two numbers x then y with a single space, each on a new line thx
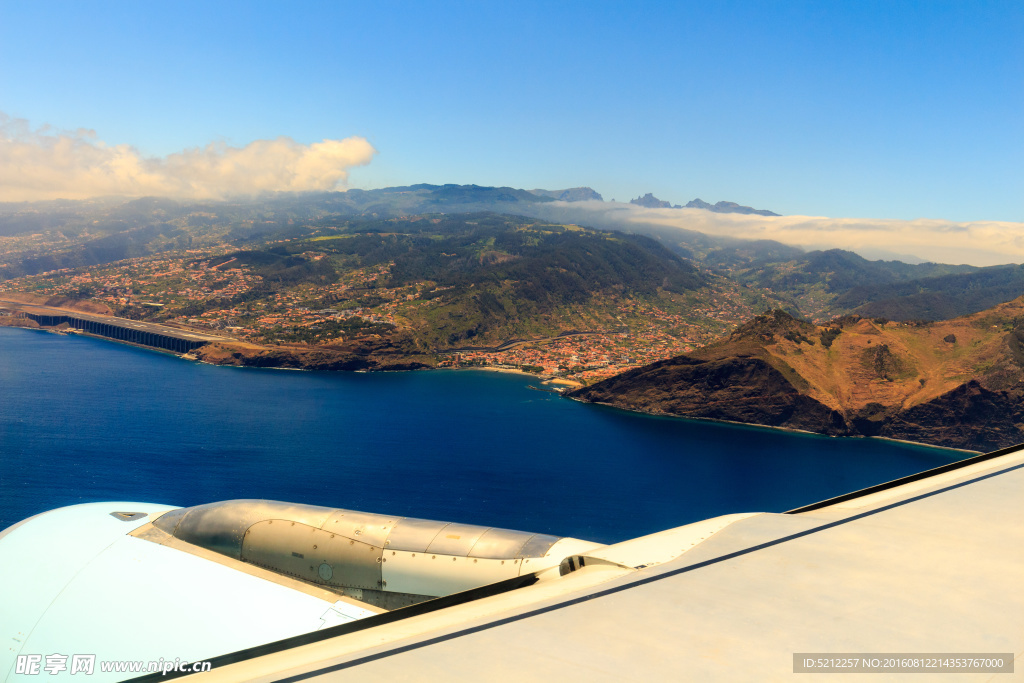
483 277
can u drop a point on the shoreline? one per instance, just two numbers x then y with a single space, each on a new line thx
488 368
192 356
565 382
918 443
513 371
787 430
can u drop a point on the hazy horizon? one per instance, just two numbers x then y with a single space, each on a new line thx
976 243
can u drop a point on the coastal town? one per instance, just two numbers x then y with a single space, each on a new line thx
207 290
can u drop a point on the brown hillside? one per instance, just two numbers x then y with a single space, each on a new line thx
956 383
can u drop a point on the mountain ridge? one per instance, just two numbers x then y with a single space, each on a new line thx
649 201
727 207
572 194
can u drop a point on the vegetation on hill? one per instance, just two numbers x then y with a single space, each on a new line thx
53 236
819 283
823 284
936 298
487 277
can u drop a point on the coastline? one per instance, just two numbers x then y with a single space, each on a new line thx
565 382
238 353
788 430
552 381
488 368
918 443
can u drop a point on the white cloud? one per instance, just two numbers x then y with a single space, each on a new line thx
979 243
45 164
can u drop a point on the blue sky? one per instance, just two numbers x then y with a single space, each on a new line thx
873 109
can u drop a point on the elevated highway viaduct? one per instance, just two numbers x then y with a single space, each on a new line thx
121 329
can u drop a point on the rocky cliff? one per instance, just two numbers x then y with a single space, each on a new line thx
956 383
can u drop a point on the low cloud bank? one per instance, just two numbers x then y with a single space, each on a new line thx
978 243
46 164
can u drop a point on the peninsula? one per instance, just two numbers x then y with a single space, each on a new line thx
956 383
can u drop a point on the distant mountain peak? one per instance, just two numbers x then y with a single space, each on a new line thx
727 207
572 194
649 201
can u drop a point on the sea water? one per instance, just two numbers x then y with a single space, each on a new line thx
84 420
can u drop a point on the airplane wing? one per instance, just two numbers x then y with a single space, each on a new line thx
921 571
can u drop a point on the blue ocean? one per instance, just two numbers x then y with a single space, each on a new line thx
85 420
